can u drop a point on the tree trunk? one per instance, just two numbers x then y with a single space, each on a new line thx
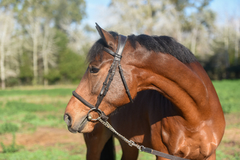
45 54
194 40
236 44
35 57
2 52
226 45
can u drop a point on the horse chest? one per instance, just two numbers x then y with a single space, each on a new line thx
195 144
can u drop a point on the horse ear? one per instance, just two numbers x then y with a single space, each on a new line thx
106 36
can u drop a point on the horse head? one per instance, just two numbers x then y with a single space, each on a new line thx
103 67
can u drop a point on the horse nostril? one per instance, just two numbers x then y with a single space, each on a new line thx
67 119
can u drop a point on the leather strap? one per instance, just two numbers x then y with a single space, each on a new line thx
82 100
161 154
109 51
125 83
121 44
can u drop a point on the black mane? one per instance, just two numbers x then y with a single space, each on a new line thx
163 44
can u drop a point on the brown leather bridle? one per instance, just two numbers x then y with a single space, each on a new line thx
106 84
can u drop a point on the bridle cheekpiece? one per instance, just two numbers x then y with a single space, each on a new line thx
106 84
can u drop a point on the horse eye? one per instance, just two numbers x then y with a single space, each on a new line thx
94 69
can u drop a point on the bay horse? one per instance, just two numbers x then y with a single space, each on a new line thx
193 125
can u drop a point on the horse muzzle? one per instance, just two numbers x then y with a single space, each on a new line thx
77 126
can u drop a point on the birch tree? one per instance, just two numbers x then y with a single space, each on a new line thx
237 40
166 17
37 23
149 17
48 49
33 30
6 27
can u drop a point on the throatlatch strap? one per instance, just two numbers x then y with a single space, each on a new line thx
125 83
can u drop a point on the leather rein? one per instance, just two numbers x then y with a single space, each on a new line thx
106 84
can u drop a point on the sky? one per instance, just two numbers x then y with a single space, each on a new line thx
96 9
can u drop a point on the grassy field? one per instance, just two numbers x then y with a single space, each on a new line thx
32 126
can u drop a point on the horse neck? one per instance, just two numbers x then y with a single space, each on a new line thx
177 82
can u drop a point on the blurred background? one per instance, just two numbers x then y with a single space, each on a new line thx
44 43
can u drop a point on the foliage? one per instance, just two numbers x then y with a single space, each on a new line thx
26 74
224 63
12 81
59 12
47 44
35 51
72 66
192 23
53 76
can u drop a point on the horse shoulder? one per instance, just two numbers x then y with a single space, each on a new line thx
194 143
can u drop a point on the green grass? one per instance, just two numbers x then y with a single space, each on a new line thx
8 127
38 92
42 154
141 156
12 147
147 156
222 155
29 109
229 94
29 116
19 106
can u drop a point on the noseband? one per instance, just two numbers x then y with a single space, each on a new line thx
106 84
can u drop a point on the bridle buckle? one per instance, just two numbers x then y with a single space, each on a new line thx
89 117
100 113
